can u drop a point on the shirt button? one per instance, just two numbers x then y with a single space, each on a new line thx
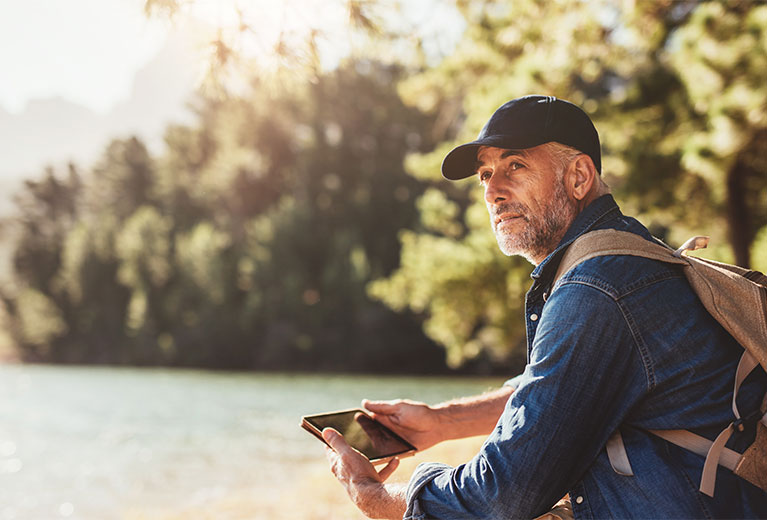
533 317
579 500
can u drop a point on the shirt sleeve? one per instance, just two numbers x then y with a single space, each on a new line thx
514 382
584 375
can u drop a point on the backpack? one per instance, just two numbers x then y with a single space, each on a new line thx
737 299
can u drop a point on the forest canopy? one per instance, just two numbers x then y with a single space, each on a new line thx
301 222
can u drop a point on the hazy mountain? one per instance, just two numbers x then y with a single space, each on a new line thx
56 131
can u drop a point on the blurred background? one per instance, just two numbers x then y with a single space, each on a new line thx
216 216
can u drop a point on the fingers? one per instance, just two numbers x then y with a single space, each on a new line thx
349 465
386 412
384 407
332 459
388 469
335 451
330 453
335 440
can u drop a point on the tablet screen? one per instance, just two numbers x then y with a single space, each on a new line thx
367 436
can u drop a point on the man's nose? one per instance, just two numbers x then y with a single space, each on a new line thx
496 190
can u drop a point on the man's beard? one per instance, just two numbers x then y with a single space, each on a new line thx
542 230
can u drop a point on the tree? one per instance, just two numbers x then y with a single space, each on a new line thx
247 244
335 227
48 210
720 56
678 154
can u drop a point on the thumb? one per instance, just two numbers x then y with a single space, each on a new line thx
335 440
388 469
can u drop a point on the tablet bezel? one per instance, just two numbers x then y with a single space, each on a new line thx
311 428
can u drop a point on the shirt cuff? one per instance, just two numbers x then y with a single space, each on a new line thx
514 381
423 474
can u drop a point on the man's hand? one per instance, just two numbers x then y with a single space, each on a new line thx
417 423
363 483
424 426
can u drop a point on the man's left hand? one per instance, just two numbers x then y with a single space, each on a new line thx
362 481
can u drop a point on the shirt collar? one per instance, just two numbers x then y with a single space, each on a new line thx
599 210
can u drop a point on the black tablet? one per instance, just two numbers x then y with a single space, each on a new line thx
371 438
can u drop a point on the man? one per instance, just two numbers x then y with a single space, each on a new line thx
620 343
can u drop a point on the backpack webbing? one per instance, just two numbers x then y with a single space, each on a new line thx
725 290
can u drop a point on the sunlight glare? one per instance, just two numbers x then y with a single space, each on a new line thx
257 28
84 50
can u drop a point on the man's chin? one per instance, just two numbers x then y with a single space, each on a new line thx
514 249
524 254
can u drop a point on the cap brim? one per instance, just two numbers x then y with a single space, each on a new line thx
461 162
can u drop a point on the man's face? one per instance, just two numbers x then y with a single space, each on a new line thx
526 199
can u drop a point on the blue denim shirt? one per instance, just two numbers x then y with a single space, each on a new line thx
622 341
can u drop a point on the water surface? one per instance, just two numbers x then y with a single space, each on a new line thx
98 443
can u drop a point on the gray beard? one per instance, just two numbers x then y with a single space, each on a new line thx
542 232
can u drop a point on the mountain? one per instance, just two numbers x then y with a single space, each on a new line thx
56 131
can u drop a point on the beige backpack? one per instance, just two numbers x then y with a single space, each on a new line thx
737 299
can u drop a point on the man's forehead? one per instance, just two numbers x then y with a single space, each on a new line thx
484 153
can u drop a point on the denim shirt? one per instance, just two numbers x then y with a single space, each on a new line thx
623 342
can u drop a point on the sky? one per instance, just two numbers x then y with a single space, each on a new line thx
75 74
88 51
85 51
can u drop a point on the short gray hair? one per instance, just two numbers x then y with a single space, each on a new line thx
562 155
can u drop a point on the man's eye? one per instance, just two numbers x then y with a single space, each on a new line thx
484 176
516 166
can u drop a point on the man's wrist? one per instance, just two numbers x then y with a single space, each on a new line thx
378 500
447 417
471 416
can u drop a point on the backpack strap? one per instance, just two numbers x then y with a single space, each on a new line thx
700 445
724 290
614 242
616 454
715 451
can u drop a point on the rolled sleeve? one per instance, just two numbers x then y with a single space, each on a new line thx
583 377
514 382
422 476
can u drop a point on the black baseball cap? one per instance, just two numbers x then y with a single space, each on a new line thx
524 123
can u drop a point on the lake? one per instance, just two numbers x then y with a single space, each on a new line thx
104 443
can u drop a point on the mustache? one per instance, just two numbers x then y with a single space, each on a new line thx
511 207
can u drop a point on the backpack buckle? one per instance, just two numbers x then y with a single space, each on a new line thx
753 417
699 242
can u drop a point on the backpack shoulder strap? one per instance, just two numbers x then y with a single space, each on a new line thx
613 242
725 292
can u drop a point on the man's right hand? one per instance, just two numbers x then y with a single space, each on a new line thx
423 426
417 423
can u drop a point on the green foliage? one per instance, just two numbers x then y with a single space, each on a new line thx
720 56
247 244
47 210
439 214
677 91
759 251
39 320
282 231
143 249
200 258
474 301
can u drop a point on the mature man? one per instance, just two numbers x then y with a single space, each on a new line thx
619 343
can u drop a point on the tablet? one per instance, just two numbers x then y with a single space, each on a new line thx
371 438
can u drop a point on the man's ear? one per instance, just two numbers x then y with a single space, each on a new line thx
581 177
